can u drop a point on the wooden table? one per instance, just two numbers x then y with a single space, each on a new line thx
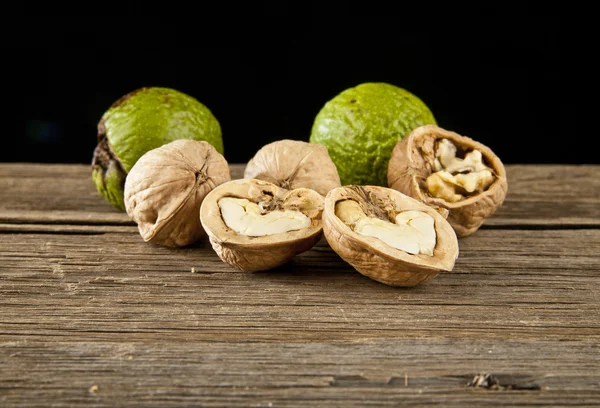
92 315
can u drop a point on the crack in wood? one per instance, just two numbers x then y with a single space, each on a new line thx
44 232
542 227
491 382
90 222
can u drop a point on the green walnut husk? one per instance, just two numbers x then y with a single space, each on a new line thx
361 125
143 120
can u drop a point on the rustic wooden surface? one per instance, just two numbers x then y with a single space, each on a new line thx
91 315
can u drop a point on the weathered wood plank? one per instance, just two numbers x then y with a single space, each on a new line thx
391 373
539 195
66 228
104 319
503 286
57 193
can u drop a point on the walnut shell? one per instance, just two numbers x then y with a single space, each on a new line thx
374 258
165 187
247 253
412 162
294 164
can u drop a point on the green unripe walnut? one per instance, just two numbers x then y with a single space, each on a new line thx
361 125
143 120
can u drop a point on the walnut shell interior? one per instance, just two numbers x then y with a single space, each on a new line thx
256 253
371 256
294 164
412 162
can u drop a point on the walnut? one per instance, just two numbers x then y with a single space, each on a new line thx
456 174
165 187
294 164
254 225
388 236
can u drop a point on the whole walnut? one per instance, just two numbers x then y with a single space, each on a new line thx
294 164
139 121
166 186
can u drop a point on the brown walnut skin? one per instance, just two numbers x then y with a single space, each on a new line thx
165 187
251 254
377 260
411 163
294 164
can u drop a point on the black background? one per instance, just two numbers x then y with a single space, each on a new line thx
506 79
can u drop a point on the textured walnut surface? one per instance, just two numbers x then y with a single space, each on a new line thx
164 190
294 164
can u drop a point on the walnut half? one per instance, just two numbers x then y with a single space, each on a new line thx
388 236
450 172
254 225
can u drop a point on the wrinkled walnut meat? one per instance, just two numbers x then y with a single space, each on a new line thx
248 218
455 178
450 172
254 225
388 236
164 190
410 231
294 164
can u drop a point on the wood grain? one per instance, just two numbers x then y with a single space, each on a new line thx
514 293
93 316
